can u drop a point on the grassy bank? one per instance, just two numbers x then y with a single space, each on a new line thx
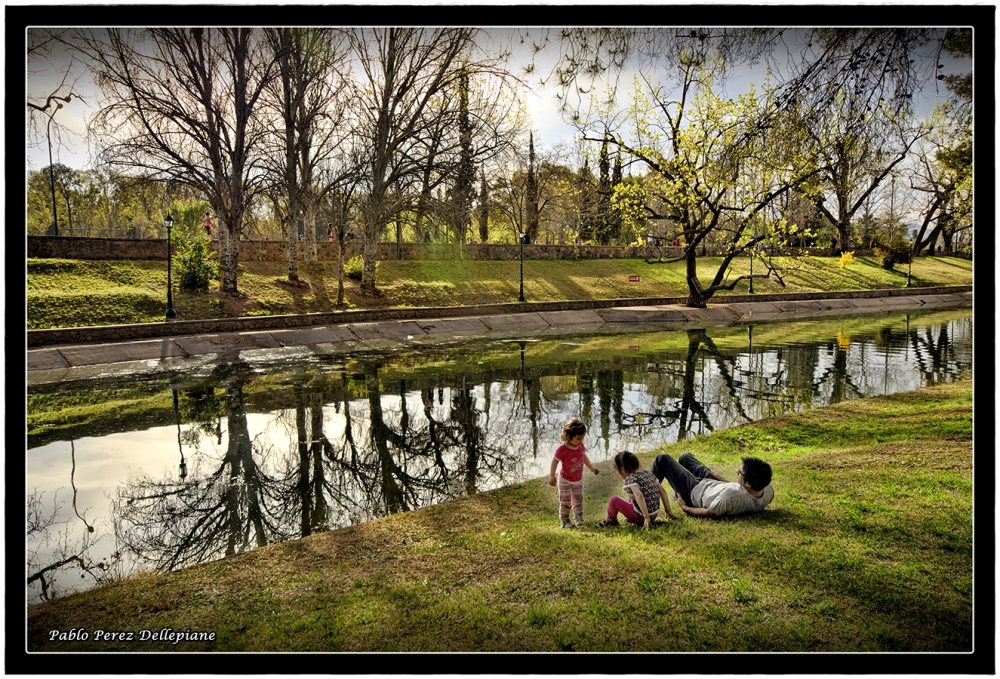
68 293
867 547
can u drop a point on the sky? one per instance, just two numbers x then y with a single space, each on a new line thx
72 149
74 152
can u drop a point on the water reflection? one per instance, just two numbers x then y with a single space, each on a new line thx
194 467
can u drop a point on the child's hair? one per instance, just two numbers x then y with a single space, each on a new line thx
626 462
573 428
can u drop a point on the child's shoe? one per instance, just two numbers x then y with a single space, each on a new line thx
566 523
577 520
606 522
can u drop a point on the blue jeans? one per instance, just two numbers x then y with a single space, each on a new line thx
682 475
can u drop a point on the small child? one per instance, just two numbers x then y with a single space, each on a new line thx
573 456
644 491
207 223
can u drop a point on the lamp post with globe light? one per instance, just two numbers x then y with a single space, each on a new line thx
52 179
521 237
909 262
171 314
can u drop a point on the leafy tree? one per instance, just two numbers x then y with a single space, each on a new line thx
531 194
614 215
189 216
713 170
603 227
854 159
465 174
484 208
587 202
555 195
944 164
194 270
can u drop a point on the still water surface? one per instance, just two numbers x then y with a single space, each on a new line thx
165 471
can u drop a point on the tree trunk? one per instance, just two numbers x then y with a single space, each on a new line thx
697 296
293 244
843 238
309 226
371 258
340 267
229 252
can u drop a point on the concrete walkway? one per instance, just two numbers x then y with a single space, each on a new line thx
383 334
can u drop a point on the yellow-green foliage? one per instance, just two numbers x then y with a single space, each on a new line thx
846 259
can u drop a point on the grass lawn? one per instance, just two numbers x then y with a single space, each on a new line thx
68 293
866 547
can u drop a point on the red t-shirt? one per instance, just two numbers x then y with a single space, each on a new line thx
572 462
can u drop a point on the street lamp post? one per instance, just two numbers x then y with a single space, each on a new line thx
171 314
909 262
520 241
52 179
182 469
750 250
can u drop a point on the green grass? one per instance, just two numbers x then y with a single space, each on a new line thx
69 293
866 547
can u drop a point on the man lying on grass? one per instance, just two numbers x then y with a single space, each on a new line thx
702 492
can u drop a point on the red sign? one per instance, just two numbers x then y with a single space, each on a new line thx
633 278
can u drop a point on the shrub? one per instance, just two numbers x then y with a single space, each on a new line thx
846 259
896 252
193 266
354 267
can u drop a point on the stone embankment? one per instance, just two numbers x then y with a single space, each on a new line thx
277 251
65 349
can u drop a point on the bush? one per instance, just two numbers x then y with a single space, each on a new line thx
896 252
846 259
194 268
354 267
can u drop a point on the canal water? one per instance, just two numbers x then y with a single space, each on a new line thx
157 472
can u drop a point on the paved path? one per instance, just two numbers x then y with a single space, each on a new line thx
380 334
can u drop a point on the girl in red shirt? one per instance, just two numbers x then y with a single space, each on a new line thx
573 457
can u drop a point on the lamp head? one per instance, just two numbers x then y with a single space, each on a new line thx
170 222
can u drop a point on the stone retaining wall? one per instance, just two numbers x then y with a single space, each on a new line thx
119 333
275 251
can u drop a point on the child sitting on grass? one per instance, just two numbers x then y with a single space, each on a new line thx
573 456
644 491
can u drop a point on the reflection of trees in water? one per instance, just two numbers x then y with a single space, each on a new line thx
51 545
235 507
362 447
932 351
385 459
684 403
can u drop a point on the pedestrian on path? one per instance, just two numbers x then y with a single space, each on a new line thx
207 223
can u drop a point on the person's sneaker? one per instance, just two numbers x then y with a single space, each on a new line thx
605 523
566 523
577 520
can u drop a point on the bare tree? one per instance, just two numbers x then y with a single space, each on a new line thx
305 93
47 53
180 103
406 85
